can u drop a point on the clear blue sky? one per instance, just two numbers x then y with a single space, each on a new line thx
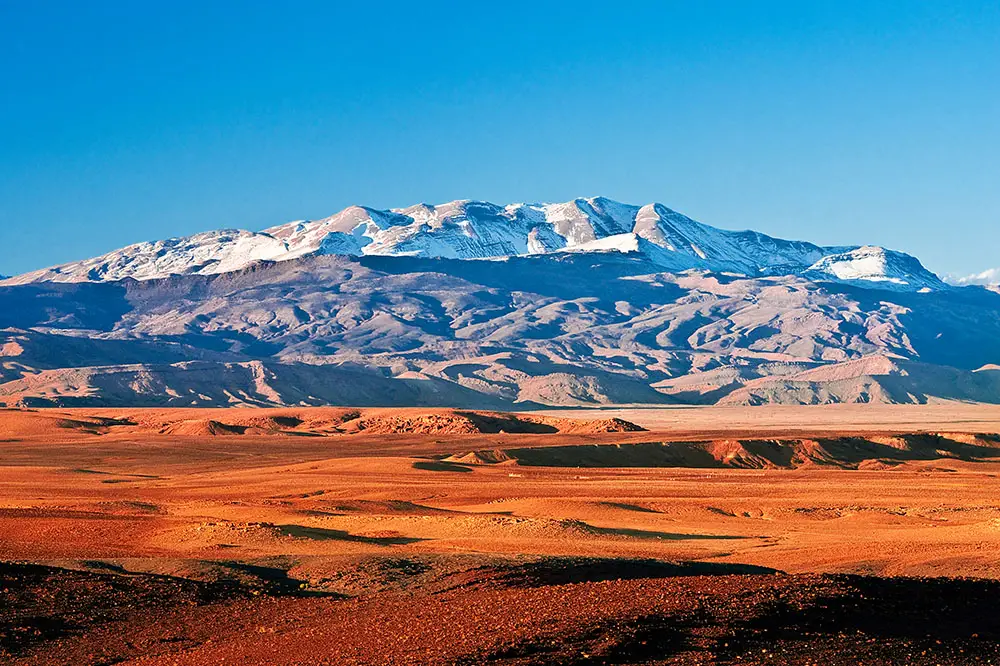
838 122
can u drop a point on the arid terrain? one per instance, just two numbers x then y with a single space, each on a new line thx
804 535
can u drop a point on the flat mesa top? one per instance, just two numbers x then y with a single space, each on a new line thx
543 428
948 416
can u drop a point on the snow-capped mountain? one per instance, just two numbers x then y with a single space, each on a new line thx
472 304
670 241
207 253
875 265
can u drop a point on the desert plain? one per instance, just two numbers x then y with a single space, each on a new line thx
802 535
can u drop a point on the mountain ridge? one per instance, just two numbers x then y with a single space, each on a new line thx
476 305
557 329
468 229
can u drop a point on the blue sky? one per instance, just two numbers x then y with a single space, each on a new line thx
836 122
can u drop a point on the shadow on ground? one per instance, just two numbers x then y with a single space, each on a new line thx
323 534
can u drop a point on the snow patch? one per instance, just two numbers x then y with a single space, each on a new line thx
466 229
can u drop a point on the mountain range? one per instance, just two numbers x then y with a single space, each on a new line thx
472 304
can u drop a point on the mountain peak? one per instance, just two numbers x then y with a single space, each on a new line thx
870 264
471 229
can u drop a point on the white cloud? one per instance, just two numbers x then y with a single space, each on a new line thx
988 277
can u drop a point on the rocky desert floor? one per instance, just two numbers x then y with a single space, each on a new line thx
820 535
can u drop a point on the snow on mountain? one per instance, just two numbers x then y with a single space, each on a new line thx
479 230
876 264
207 253
706 247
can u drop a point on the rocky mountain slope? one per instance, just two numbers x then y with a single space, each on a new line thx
561 328
474 305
